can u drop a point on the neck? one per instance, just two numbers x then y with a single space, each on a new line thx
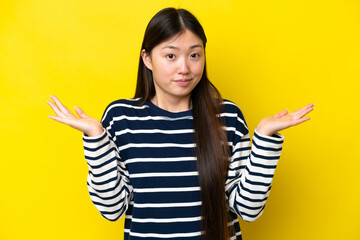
172 104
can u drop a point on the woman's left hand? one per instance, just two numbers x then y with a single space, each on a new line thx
271 125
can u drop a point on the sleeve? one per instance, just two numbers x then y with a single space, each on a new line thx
108 179
251 170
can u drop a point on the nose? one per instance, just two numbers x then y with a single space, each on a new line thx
183 66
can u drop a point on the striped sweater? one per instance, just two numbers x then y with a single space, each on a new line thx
143 165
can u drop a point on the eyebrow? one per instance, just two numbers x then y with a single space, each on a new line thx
173 47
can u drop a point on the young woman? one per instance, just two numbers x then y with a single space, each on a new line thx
176 159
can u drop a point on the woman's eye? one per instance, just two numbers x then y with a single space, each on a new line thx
195 55
171 56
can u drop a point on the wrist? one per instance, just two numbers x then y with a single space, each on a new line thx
95 133
264 132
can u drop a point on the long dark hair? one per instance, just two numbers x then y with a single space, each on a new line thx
212 149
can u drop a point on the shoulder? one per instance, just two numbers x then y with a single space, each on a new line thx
123 107
233 116
125 103
231 108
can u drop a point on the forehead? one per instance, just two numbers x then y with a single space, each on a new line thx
186 39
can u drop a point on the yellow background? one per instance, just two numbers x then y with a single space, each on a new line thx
264 55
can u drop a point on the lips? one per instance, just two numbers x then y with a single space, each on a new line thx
183 82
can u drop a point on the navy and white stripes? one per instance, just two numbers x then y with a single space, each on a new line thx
144 165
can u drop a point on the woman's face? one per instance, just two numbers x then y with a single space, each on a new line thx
177 66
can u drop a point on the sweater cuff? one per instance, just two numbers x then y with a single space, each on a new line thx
268 147
86 138
94 143
275 137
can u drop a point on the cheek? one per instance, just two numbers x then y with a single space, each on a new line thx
198 68
161 68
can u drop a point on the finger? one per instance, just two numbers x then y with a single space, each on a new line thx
56 110
60 119
60 105
303 111
299 121
281 114
80 112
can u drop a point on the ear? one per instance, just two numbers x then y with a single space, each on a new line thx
146 59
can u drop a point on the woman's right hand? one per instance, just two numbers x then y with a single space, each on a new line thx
88 125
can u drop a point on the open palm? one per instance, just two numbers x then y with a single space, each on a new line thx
270 125
88 125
